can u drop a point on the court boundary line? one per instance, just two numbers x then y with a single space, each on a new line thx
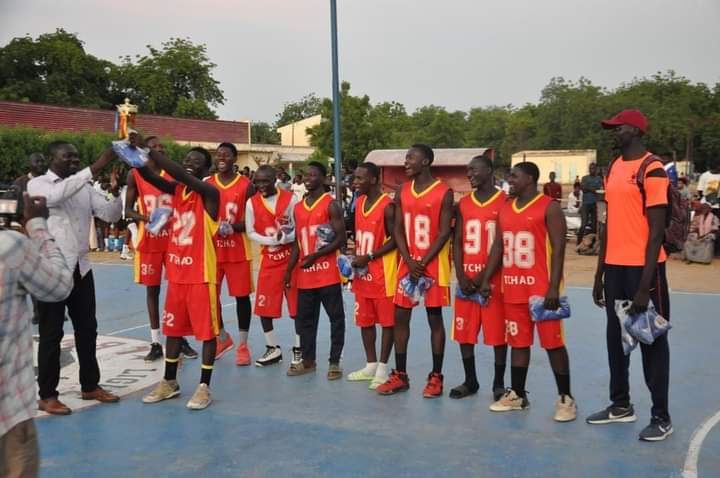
690 467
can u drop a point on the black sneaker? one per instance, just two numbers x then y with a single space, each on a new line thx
658 430
613 414
297 355
186 350
155 353
272 355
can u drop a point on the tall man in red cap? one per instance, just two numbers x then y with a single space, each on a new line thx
631 266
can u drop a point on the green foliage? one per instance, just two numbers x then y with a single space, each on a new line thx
263 133
307 106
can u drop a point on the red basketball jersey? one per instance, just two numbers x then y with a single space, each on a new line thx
324 271
191 252
421 217
527 251
150 197
235 247
266 223
479 226
370 235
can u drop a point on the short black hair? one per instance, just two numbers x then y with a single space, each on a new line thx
425 150
151 137
205 153
229 146
371 168
55 145
266 168
530 169
484 159
320 166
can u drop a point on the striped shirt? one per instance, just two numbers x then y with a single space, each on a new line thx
27 266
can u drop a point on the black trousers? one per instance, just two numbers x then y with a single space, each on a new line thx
588 217
621 282
81 308
308 317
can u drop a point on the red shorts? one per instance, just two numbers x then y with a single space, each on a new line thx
520 328
436 296
149 267
269 293
469 316
239 277
191 309
370 311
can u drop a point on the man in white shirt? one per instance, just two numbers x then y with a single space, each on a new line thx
709 184
72 202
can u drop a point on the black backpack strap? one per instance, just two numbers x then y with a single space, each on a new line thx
640 176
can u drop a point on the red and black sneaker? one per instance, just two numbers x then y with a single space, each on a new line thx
434 387
396 382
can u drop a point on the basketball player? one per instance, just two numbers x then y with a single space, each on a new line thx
265 213
142 198
374 291
191 304
318 278
424 207
532 251
233 248
475 225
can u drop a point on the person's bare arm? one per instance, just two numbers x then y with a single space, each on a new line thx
389 245
131 196
656 222
444 230
495 257
292 262
599 285
240 225
466 285
162 184
338 226
557 230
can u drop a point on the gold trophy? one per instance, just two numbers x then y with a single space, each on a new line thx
126 118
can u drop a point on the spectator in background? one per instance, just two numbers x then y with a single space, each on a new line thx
709 184
553 189
670 169
590 185
298 186
683 188
700 243
246 171
575 199
37 166
283 181
28 265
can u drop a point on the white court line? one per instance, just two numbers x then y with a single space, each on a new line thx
676 292
121 331
691 461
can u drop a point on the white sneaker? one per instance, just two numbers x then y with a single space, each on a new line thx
201 398
565 409
509 402
164 390
360 376
272 355
297 355
376 382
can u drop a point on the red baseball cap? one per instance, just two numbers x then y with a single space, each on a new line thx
629 117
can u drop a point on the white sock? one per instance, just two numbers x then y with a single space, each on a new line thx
155 336
270 339
297 341
125 249
370 368
243 336
381 370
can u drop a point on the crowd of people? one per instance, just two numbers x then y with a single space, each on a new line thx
508 247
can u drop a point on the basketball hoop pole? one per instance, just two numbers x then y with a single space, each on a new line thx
336 101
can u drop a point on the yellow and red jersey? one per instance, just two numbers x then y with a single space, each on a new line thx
266 223
236 246
421 217
307 218
150 197
370 235
526 250
479 226
191 251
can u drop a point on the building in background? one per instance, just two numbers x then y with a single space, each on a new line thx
566 163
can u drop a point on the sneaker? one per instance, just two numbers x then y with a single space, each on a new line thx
509 402
464 390
242 355
334 371
201 398
298 369
124 256
434 386
164 390
397 382
187 350
613 414
658 430
360 376
565 409
498 393
155 353
223 346
272 355
297 355
376 382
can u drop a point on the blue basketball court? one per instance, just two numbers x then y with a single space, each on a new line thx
263 423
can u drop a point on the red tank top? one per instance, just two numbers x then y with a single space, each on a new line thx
324 271
191 252
421 217
235 247
479 226
526 250
266 223
370 235
150 197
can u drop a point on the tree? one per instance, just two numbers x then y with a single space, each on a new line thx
263 133
307 106
175 80
54 69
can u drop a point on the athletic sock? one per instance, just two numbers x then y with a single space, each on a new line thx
563 384
270 339
205 374
223 335
171 366
155 336
400 361
499 378
437 363
370 368
297 341
381 370
243 337
470 374
518 375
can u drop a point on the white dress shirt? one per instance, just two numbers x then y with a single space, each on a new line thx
271 241
72 203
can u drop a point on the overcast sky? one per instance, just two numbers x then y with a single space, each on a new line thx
454 53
